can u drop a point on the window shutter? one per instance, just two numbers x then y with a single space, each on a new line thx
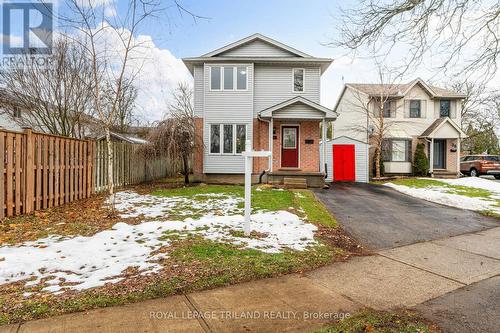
408 156
386 150
407 109
423 109
376 108
436 109
453 109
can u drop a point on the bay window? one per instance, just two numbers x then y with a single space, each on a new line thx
231 137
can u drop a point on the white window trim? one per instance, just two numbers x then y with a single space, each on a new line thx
303 80
221 139
235 78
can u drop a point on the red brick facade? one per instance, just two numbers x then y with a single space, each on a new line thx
309 156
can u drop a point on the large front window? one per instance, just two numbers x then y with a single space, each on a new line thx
396 150
298 79
444 108
231 137
228 77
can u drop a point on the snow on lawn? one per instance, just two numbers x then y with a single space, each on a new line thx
442 196
85 262
476 182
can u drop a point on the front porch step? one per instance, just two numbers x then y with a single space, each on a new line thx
444 174
295 182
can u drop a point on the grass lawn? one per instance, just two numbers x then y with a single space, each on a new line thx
193 262
382 322
489 198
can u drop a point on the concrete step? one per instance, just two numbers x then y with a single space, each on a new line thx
445 174
295 182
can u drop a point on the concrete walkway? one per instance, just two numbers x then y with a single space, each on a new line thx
399 277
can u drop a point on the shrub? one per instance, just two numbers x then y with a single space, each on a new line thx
420 161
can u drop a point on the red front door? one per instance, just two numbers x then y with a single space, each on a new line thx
343 163
290 147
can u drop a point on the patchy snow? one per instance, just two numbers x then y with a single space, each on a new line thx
476 182
440 195
132 204
79 263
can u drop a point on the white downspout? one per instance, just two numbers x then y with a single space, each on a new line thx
431 158
323 139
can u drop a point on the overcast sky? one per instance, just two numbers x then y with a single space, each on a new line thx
304 25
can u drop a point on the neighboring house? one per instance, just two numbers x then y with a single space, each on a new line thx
414 112
122 137
261 90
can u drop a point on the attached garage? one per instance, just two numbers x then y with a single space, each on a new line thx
346 160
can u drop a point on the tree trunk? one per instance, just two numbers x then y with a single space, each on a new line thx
111 185
377 162
186 169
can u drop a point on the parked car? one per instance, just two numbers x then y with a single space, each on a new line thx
477 165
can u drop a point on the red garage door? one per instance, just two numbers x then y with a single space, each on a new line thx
343 163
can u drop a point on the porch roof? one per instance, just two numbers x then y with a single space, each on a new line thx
298 108
433 130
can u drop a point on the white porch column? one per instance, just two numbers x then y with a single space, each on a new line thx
323 154
271 144
458 155
431 158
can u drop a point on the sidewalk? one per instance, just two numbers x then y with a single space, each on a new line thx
399 277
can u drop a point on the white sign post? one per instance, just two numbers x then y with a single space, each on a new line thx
249 155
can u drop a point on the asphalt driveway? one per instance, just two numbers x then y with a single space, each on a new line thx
380 217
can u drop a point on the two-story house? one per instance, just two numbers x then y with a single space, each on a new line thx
261 90
412 113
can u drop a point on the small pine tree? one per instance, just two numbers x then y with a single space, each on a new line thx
420 161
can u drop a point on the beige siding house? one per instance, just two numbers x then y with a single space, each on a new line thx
261 90
413 112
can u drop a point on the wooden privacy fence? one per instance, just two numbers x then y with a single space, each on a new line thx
129 166
39 171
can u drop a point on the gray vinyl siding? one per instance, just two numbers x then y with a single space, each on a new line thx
226 107
198 91
298 111
257 48
273 85
360 158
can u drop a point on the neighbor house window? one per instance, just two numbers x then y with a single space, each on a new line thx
444 108
214 139
228 78
396 150
415 108
17 112
231 137
298 79
398 153
387 109
215 78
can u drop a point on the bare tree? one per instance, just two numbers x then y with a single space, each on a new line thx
126 106
377 104
52 97
458 30
175 136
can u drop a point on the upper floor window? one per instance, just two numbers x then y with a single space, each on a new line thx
387 109
415 108
17 112
298 79
228 77
444 108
